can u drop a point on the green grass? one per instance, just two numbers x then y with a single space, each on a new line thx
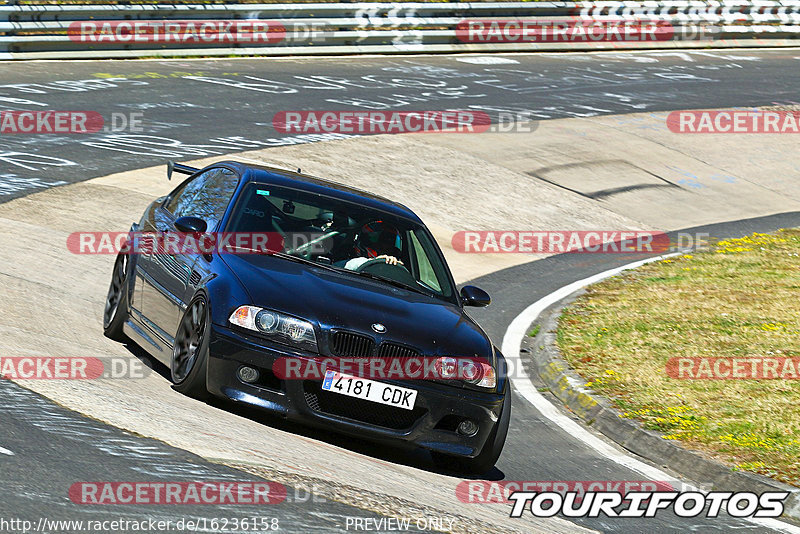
737 300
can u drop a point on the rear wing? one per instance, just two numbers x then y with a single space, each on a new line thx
179 167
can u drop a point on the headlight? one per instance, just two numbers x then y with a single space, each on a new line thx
276 326
470 370
487 378
475 371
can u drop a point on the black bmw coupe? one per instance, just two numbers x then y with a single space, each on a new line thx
347 275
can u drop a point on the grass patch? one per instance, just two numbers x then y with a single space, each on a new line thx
535 330
739 299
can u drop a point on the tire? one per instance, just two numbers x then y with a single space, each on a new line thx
490 453
115 312
190 352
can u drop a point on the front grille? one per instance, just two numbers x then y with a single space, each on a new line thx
350 345
404 360
393 350
360 410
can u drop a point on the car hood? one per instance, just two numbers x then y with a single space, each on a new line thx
341 300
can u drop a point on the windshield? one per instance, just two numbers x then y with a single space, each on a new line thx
344 235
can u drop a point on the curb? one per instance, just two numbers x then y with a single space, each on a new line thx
547 363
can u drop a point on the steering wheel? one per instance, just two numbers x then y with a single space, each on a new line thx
379 267
377 261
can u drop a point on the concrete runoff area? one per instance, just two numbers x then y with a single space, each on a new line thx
544 180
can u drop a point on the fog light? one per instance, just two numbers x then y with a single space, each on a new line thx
467 428
248 374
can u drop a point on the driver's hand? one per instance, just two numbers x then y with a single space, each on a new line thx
391 260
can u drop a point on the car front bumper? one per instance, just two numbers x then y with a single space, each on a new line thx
431 424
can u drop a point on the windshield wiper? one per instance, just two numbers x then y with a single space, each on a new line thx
299 259
290 257
392 282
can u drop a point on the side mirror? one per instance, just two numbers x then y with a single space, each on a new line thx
190 225
475 296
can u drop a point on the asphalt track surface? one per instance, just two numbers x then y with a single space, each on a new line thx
54 447
190 109
186 116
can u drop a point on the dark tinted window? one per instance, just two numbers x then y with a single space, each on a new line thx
344 235
206 196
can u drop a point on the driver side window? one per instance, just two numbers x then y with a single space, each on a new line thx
182 196
206 196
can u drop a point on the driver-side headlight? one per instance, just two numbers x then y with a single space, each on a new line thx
276 326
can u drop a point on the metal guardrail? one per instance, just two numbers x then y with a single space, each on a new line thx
136 30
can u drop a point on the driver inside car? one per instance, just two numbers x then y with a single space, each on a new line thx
376 240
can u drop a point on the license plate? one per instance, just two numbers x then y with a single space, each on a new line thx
362 388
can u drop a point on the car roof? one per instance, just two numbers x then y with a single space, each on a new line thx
285 177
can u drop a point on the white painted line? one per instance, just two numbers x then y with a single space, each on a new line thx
512 341
487 60
6 451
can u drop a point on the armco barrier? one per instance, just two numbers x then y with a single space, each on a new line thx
131 30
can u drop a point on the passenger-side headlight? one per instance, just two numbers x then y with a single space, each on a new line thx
471 370
276 326
487 378
479 373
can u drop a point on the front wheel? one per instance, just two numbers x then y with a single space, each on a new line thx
490 453
116 308
190 353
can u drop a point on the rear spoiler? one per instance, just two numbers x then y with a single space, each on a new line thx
178 167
